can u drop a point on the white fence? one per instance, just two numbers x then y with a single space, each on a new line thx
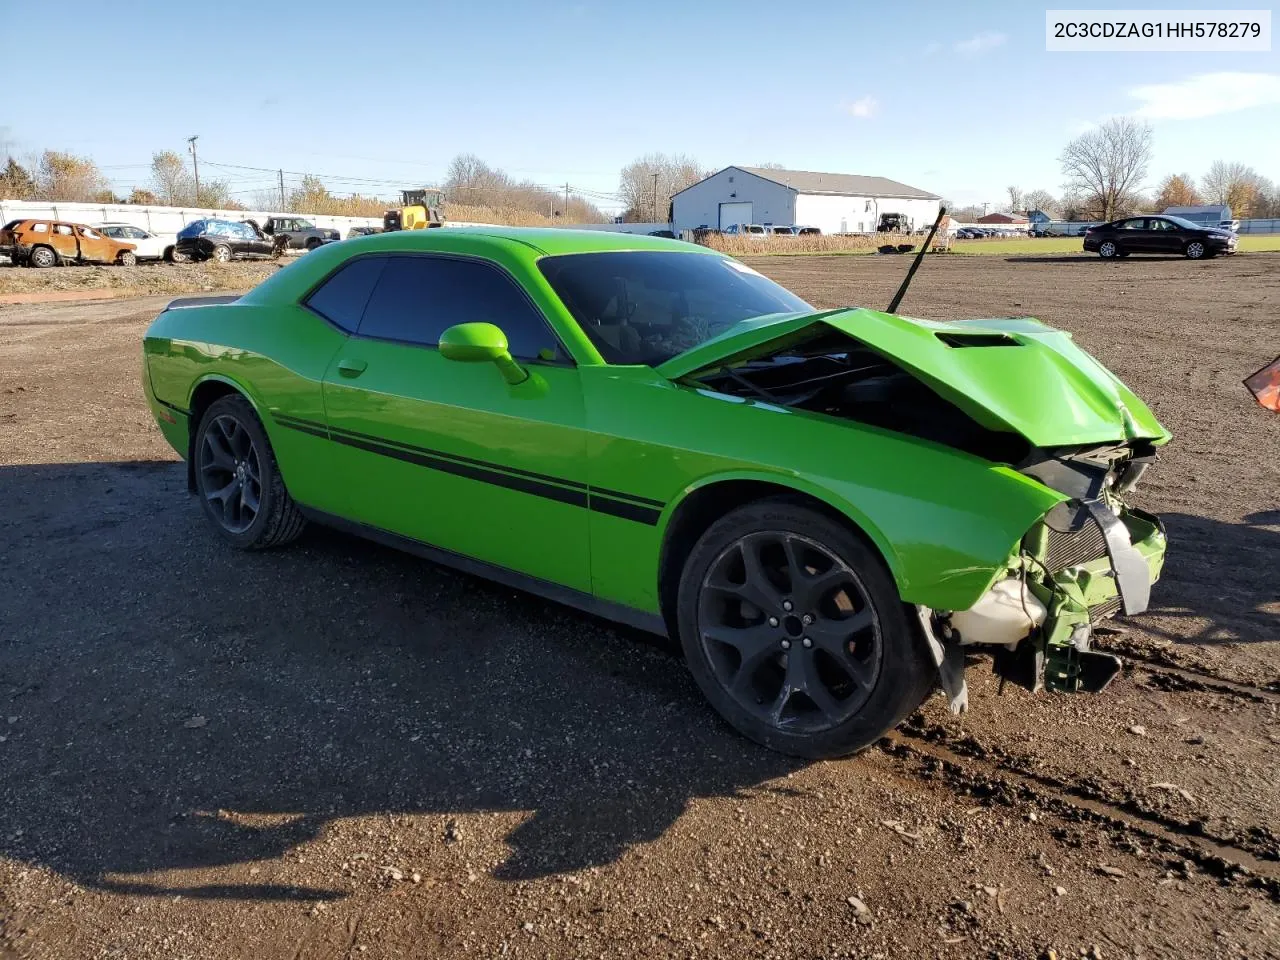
158 219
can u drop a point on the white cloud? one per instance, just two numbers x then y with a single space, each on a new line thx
862 108
1206 95
980 43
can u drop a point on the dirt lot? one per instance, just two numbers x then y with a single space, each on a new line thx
340 751
145 278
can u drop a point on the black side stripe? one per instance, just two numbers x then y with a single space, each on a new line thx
614 503
625 510
173 406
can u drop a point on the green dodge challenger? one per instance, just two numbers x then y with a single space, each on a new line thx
828 508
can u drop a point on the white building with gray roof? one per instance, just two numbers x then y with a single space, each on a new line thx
833 202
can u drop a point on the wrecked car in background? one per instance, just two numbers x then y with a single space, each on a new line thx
48 243
828 508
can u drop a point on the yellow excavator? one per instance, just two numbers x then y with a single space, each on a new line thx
419 209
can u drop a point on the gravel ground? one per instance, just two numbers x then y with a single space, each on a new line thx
340 751
145 278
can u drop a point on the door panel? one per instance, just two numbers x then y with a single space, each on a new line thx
450 454
95 246
63 239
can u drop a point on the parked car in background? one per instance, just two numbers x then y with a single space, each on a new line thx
808 232
666 234
779 231
362 232
1164 234
47 243
302 234
147 245
221 240
745 230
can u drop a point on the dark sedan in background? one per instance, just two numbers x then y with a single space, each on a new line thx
1163 234
222 240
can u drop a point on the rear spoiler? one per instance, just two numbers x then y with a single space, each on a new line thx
182 302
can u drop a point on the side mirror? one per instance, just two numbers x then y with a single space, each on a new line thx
479 342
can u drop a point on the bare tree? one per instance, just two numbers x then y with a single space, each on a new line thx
171 181
471 182
1177 190
647 199
1234 184
1016 199
1107 165
1043 201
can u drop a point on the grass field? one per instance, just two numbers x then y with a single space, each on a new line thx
857 246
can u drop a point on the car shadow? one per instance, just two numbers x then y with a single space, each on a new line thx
1222 574
170 703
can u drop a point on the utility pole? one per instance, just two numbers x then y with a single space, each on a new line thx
195 164
566 199
280 172
655 199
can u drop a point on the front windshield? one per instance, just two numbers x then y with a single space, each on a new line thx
648 306
1184 223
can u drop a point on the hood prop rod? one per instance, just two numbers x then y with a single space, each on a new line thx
915 264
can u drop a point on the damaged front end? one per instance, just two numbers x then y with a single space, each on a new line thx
1086 560
1018 395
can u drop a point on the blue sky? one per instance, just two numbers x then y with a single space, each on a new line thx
957 98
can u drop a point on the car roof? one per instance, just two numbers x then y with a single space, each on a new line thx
550 241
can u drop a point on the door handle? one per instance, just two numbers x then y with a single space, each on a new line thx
352 368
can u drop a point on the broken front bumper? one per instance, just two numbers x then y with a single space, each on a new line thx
1079 589
1083 563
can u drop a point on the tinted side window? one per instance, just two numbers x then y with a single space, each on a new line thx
341 299
418 298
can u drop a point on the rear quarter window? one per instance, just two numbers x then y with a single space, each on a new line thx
341 299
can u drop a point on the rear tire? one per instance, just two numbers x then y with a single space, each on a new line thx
1108 249
238 481
222 253
127 258
171 255
42 257
828 660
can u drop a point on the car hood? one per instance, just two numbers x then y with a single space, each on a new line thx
1014 374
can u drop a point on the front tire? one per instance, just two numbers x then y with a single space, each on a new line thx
312 243
238 480
127 258
1195 250
1108 249
222 253
795 632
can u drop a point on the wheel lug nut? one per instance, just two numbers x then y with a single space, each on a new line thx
773 621
786 605
807 643
807 619
786 644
